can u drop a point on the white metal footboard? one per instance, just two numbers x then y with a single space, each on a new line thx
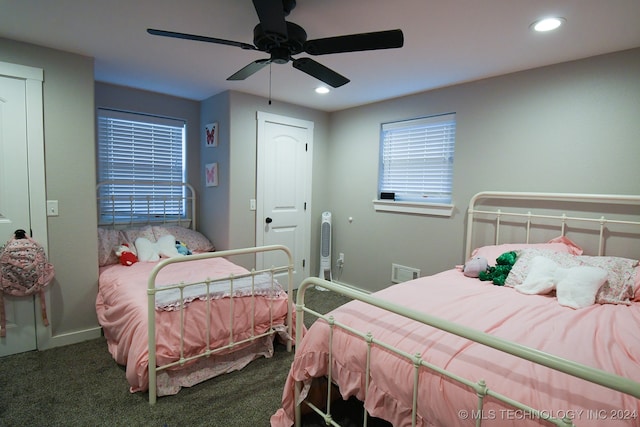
152 290
584 372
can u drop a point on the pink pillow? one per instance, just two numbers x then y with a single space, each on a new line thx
573 248
194 240
559 244
132 234
636 285
107 240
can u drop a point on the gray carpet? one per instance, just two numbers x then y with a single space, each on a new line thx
81 385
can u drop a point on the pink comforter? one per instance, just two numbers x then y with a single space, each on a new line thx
602 336
121 306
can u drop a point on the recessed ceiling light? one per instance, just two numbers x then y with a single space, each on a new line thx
322 89
547 24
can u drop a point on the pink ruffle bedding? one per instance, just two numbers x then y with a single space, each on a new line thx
602 336
121 306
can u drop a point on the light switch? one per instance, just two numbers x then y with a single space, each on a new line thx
52 208
252 204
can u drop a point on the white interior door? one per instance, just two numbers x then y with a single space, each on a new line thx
14 206
284 190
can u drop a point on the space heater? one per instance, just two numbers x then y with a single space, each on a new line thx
325 247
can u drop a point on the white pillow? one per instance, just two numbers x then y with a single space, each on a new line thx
542 277
151 252
580 285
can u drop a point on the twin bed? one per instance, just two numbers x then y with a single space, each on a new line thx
182 319
451 350
443 350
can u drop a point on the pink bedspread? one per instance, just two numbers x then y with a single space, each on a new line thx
121 306
602 336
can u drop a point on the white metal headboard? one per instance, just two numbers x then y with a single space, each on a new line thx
591 213
126 203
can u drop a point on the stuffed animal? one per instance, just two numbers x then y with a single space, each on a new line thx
475 266
149 251
498 274
182 248
126 255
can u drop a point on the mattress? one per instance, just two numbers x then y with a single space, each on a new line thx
122 309
603 336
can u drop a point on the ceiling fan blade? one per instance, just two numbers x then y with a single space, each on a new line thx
271 14
389 39
320 72
250 69
200 38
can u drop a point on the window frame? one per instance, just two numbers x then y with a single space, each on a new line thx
124 135
415 129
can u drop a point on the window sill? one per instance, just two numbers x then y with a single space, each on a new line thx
433 209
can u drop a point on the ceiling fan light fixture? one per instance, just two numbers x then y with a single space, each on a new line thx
322 90
547 24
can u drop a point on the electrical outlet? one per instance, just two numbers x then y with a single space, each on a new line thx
340 260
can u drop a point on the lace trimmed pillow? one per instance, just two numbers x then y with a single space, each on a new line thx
618 289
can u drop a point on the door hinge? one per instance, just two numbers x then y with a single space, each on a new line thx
306 147
305 206
304 262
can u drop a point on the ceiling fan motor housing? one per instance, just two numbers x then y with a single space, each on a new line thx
281 50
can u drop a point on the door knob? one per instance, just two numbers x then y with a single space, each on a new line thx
268 220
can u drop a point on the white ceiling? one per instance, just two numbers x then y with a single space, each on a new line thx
446 42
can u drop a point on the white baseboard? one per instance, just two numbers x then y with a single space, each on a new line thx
73 338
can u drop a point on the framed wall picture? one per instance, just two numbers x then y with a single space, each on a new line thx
211 174
211 135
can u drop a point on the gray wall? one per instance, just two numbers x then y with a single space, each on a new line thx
237 165
571 127
70 179
214 201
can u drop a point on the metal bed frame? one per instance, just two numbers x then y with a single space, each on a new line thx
185 197
482 389
152 290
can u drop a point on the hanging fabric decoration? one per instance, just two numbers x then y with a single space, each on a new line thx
24 271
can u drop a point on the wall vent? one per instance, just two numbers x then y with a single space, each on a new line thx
401 273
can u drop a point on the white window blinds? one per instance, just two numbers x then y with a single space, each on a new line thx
416 159
137 147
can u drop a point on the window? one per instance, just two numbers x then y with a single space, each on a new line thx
140 148
416 159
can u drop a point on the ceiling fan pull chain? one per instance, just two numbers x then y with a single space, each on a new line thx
269 83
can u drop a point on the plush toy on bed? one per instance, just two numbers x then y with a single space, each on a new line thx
126 255
498 273
182 248
475 266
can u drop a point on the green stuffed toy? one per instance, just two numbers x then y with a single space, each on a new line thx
498 274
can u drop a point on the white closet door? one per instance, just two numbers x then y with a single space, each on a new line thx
15 210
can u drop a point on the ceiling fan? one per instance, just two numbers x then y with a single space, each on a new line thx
282 39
